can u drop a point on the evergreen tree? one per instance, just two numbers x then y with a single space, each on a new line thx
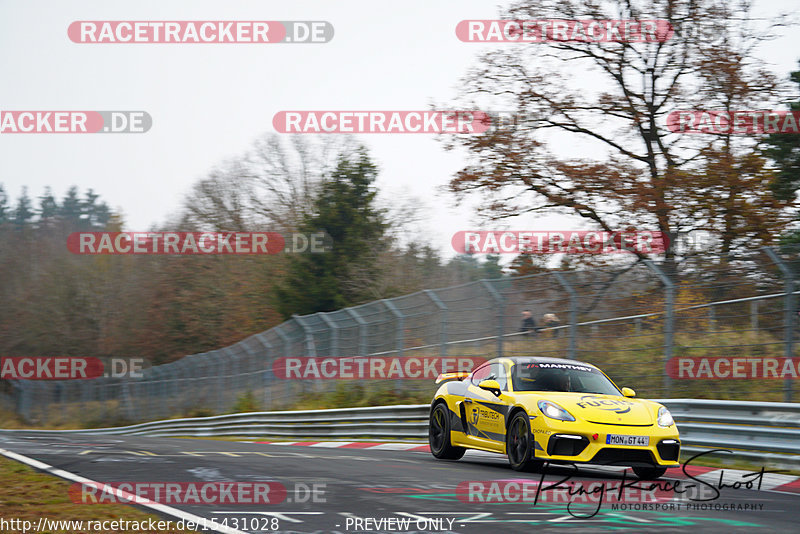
48 207
784 150
94 214
466 268
71 207
491 267
4 210
344 208
23 212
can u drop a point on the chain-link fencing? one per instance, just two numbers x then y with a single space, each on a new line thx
630 321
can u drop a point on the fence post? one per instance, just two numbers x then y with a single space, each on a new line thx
400 334
443 309
788 315
23 399
669 324
126 404
267 373
754 315
334 333
173 377
161 394
234 378
362 330
573 315
401 324
286 353
222 379
311 348
500 315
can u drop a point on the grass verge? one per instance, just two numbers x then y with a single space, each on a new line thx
28 495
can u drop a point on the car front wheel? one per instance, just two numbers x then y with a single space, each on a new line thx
519 444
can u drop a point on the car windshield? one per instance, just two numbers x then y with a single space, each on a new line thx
546 376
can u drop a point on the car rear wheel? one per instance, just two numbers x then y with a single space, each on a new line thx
649 473
439 434
519 444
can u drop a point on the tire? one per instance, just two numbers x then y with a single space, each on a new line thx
649 473
439 434
519 444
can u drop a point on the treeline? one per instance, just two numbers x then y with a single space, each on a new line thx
165 307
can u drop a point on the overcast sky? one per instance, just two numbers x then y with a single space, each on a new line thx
209 102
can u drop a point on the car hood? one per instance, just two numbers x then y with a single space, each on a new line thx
606 409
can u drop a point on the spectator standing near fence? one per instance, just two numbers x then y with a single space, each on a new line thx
528 324
550 320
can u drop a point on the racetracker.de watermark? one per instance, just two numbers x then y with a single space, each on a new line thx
372 368
204 493
563 30
69 368
72 122
559 242
732 368
578 491
196 243
387 122
734 122
200 31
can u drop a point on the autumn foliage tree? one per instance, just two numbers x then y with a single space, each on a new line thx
594 142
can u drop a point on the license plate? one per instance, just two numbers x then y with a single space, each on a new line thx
620 439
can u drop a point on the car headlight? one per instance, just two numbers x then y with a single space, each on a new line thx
554 411
665 418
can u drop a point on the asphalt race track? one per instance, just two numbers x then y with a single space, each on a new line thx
374 490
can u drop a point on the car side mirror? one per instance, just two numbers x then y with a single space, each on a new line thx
491 385
628 392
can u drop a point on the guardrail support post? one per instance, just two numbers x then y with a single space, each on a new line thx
669 323
788 315
500 315
573 315
754 315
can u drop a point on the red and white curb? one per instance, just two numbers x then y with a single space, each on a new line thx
769 481
378 446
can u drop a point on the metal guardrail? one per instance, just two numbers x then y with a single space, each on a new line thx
379 422
758 432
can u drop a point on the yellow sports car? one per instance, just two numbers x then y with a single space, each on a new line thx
539 410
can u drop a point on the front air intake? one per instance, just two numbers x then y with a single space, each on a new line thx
566 445
669 450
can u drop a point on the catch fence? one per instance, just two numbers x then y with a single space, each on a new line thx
628 320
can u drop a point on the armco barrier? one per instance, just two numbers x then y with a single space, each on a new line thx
758 432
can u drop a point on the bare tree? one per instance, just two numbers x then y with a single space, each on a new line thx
284 175
221 201
269 187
